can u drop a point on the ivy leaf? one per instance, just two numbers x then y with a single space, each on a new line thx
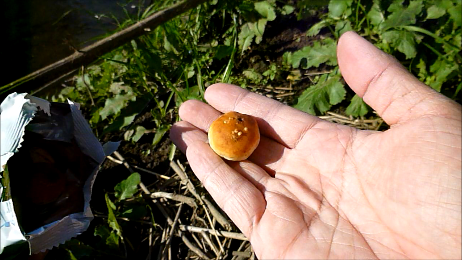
114 105
266 10
403 41
435 12
326 92
401 16
339 8
111 218
357 107
128 187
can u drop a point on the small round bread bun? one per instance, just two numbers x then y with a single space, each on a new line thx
234 136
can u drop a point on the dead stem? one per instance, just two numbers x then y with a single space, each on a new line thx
233 235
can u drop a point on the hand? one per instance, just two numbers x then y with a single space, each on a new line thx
315 189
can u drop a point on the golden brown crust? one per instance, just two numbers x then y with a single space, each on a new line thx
234 136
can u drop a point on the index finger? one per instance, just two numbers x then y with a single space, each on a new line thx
282 123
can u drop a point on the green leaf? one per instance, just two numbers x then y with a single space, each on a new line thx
259 29
316 28
422 66
246 36
456 15
342 26
114 105
252 75
375 15
325 53
435 12
337 9
357 107
295 58
160 132
128 187
320 52
139 132
287 9
78 249
223 51
326 92
441 70
401 16
402 40
128 114
265 9
111 218
110 238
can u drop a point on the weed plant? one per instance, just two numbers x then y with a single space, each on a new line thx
178 60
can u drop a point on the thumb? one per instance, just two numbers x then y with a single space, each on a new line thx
385 85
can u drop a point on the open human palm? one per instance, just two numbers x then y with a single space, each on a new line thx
315 189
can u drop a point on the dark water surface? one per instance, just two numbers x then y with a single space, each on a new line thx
36 33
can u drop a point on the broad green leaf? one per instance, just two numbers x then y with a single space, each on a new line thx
320 97
441 70
252 75
111 218
357 107
117 87
337 9
316 28
401 16
336 92
128 114
139 132
325 53
223 51
403 41
315 55
160 132
287 9
114 105
342 26
110 238
128 187
456 15
265 9
259 29
295 58
375 15
435 12
245 36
